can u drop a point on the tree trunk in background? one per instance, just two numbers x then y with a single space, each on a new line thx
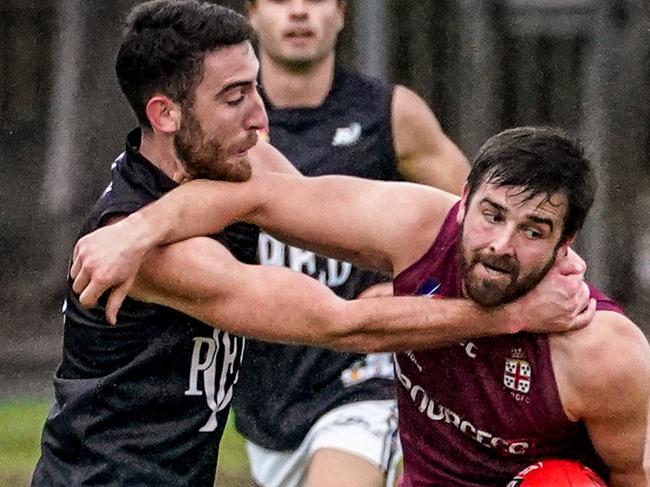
27 31
628 192
88 121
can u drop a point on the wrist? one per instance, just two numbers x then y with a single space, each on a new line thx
506 318
145 232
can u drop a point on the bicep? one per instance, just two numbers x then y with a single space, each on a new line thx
616 399
365 222
619 440
425 154
200 278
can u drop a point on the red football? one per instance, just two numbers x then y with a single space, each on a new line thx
557 473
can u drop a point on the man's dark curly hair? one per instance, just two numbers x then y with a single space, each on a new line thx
164 45
539 160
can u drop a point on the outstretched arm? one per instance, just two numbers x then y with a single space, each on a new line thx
559 303
199 277
202 279
366 222
363 221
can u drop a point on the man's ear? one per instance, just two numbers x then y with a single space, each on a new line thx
163 114
249 8
341 6
463 201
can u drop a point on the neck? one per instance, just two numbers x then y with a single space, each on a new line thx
159 150
306 86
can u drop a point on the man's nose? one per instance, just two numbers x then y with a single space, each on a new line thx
297 9
257 118
502 243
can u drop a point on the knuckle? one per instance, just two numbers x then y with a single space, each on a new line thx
101 279
81 251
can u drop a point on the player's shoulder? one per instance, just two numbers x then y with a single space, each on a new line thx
610 353
609 328
406 102
603 368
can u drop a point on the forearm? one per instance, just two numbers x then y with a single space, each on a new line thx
386 324
196 208
411 323
343 225
203 207
202 280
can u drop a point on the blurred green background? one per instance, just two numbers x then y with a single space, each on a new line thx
20 432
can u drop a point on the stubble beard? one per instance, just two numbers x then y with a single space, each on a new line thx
203 158
493 293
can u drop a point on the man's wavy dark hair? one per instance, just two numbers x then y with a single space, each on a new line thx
164 45
539 160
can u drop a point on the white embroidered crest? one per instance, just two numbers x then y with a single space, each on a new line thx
517 373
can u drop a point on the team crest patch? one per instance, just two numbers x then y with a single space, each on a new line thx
517 373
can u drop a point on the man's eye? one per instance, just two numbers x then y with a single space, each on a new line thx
235 101
491 217
532 233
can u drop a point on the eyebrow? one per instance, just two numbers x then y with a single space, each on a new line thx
535 218
493 203
541 220
233 85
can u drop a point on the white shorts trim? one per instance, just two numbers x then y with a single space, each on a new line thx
367 429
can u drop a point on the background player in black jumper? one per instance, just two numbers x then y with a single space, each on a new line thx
314 416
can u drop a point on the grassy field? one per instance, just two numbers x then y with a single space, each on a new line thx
20 431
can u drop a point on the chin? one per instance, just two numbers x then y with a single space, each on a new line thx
234 169
299 61
487 299
238 170
486 293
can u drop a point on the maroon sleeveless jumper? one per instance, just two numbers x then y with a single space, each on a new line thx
475 413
